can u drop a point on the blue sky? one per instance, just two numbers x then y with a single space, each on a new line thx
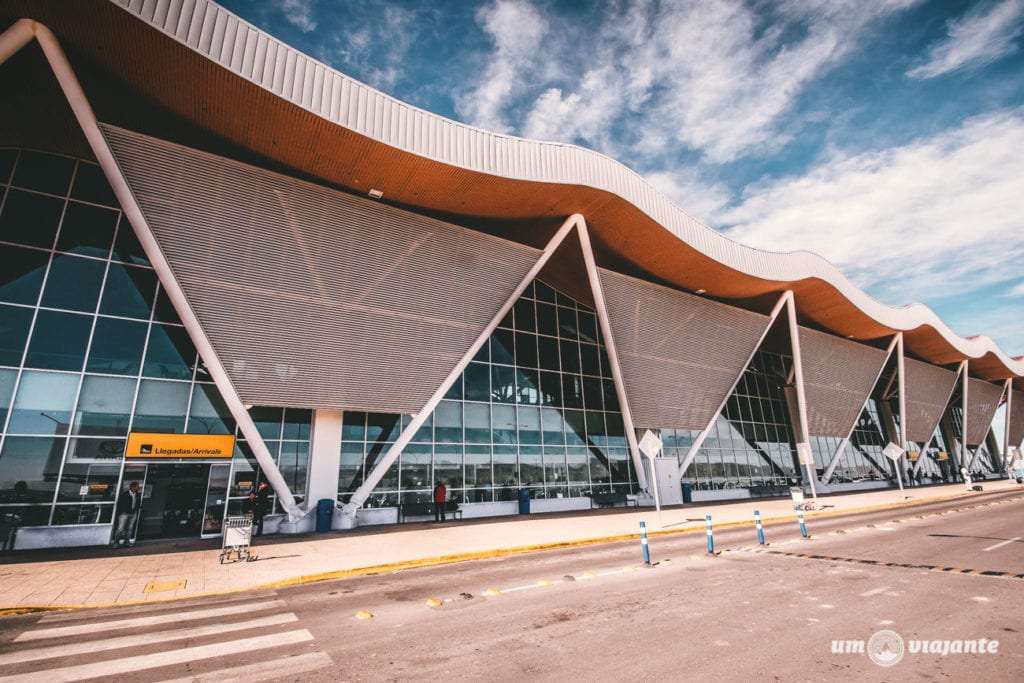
885 135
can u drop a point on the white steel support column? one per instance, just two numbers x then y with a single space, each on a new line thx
360 495
324 457
964 403
86 118
901 371
801 397
613 356
1008 389
842 446
699 441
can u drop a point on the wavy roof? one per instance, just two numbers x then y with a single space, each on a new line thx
190 71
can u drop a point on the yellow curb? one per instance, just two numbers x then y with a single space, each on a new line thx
434 602
589 575
492 591
544 582
363 614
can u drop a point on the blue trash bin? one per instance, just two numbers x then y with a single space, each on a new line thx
524 501
687 493
324 514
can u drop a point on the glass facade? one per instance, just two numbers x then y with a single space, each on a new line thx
535 408
90 349
751 444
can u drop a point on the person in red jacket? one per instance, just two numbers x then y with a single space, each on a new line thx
440 500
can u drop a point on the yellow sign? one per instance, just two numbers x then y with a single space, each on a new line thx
200 446
913 455
943 455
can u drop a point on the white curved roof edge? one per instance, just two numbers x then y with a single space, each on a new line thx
240 47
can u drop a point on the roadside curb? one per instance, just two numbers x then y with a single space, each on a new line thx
480 555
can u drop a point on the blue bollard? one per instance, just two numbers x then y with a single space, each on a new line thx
643 542
711 540
800 516
757 523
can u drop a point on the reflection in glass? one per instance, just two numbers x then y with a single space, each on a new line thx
161 407
87 230
117 347
87 482
14 325
58 341
73 283
209 414
28 468
21 274
129 291
170 353
43 403
104 406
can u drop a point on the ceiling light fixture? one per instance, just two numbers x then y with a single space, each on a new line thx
376 194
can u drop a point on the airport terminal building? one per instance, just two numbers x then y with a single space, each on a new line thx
224 262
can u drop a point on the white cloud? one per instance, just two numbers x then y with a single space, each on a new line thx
378 43
299 13
691 194
705 76
517 30
984 34
936 217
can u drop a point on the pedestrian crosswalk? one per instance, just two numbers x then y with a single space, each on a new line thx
253 633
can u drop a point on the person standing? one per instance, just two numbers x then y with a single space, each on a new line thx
261 507
128 506
440 500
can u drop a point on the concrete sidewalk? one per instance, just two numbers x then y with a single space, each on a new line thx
80 577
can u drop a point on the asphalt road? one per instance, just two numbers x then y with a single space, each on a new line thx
798 608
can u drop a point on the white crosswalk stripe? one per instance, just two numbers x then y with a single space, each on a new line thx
152 647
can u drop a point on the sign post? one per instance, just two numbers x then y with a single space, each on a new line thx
806 456
894 453
650 445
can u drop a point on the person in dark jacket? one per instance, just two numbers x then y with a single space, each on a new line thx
262 506
129 503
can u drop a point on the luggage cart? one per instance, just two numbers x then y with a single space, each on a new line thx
237 535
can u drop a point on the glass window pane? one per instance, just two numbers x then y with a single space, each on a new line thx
526 350
209 414
293 463
477 380
117 347
163 310
30 219
87 230
525 317
96 449
28 468
129 291
44 172
87 482
91 185
14 325
268 421
73 283
567 323
502 345
478 423
83 514
43 403
161 407
170 354
128 249
503 385
448 422
353 425
548 352
21 274
59 341
7 380
297 422
104 406
504 424
547 319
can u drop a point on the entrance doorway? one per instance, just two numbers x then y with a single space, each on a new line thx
180 499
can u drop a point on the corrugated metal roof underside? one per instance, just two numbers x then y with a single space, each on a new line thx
928 390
